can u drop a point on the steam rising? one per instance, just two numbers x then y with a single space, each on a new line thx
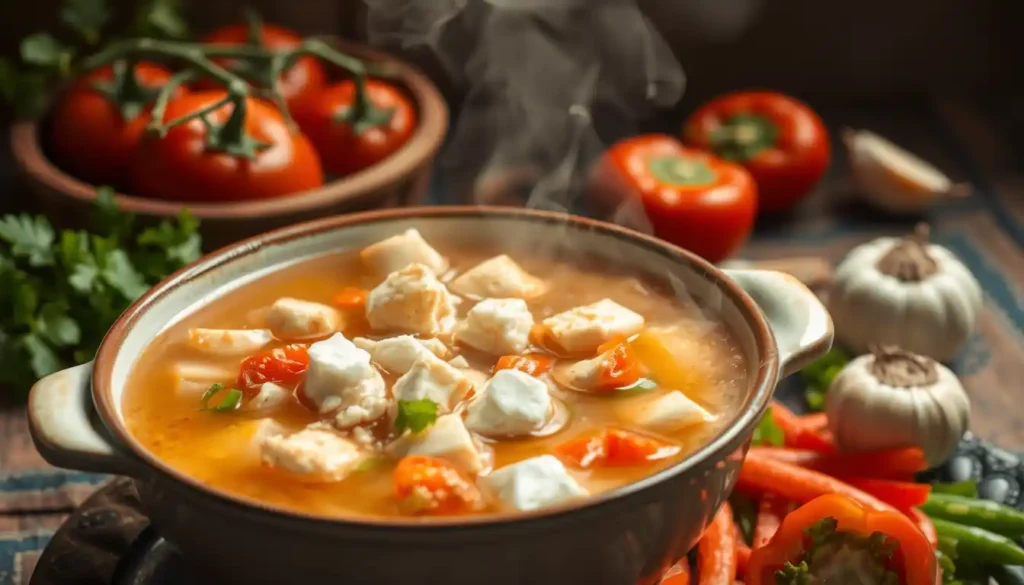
536 75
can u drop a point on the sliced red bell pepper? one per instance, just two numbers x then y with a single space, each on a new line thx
799 434
770 512
901 495
924 523
897 464
677 574
834 535
716 551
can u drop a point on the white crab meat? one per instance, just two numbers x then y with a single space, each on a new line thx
411 300
459 362
397 252
293 319
511 404
397 354
668 413
501 278
584 374
269 397
341 378
318 453
497 326
192 378
434 380
229 342
534 483
585 328
447 439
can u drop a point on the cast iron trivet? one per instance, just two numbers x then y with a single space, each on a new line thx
108 540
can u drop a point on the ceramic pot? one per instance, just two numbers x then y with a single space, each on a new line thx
622 537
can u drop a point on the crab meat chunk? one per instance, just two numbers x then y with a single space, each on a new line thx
341 378
583 329
668 413
269 397
500 277
434 380
397 252
229 342
447 439
411 300
397 354
319 454
534 483
512 403
497 326
293 319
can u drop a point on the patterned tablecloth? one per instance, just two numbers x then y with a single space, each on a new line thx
977 142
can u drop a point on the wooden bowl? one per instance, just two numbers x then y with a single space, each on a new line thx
402 179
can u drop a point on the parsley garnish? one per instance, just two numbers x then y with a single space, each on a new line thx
415 415
61 291
231 401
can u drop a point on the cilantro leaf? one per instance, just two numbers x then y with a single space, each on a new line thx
107 216
29 237
42 358
415 415
161 18
56 326
120 274
43 50
86 17
231 401
767 432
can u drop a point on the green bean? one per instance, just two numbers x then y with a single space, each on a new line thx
981 513
979 545
967 489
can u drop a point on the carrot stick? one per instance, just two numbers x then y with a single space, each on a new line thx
798 434
901 495
816 422
897 464
770 513
764 475
926 526
677 574
716 551
742 557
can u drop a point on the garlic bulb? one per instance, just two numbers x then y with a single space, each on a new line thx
892 179
904 292
893 398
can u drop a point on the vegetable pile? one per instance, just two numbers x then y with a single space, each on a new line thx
60 292
246 113
806 513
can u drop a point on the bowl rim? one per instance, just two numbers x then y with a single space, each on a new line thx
27 150
728 441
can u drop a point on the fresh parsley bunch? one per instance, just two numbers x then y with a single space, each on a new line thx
60 292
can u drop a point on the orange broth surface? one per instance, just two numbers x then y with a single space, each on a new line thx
221 449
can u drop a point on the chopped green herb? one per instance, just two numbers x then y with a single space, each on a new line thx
231 401
61 291
415 415
967 489
86 17
638 387
767 432
819 375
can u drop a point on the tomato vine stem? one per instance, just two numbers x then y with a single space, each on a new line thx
231 136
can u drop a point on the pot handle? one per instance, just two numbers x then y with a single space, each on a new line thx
66 429
798 319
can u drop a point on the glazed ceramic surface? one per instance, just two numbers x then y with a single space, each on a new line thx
623 537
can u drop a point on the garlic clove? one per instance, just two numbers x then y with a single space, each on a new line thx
893 179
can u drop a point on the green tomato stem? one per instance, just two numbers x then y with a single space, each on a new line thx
156 125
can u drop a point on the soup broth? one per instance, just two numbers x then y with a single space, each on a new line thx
620 401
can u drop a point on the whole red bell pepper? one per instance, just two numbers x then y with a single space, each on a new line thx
835 539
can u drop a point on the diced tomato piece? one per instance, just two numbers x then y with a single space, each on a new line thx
430 486
351 298
534 364
281 365
614 448
899 494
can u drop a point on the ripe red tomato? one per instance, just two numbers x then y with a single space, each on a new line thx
182 167
780 140
89 135
692 199
281 365
306 77
343 151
